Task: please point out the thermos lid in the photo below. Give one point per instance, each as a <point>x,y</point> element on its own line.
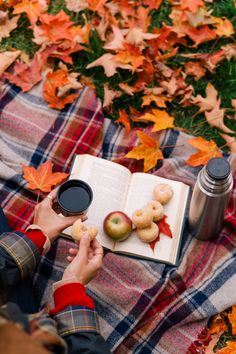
<point>218,168</point>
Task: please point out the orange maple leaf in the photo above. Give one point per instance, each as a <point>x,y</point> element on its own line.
<point>232,319</point>
<point>97,5</point>
<point>153,4</point>
<point>217,324</point>
<point>32,8</point>
<point>124,119</point>
<point>161,119</point>
<point>201,35</point>
<point>191,5</point>
<point>224,27</point>
<point>54,27</point>
<point>208,149</point>
<point>148,151</point>
<point>130,55</point>
<point>42,178</point>
<point>229,349</point>
<point>195,69</point>
<point>54,84</point>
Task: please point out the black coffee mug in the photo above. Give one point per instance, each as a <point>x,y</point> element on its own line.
<point>74,197</point>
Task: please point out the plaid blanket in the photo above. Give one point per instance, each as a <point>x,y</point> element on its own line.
<point>143,306</point>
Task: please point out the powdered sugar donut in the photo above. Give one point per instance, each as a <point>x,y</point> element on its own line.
<point>142,218</point>
<point>148,234</point>
<point>157,209</point>
<point>163,193</point>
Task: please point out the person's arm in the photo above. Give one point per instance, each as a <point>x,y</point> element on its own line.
<point>74,310</point>
<point>19,255</point>
<point>21,251</point>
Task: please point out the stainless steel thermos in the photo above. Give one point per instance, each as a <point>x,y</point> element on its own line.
<point>210,199</point>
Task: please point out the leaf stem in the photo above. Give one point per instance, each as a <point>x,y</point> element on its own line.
<point>171,146</point>
<point>38,195</point>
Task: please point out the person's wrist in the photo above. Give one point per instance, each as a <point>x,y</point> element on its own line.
<point>80,279</point>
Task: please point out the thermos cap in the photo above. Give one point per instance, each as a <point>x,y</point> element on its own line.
<point>218,168</point>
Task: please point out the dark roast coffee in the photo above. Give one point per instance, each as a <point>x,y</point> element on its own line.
<point>74,197</point>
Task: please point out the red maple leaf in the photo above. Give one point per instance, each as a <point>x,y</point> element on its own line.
<point>164,228</point>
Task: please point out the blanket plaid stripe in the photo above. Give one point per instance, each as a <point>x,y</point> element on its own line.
<point>143,306</point>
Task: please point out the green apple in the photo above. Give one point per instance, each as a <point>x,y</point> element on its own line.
<point>117,225</point>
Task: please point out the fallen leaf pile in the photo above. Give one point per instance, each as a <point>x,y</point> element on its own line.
<point>143,58</point>
<point>219,336</point>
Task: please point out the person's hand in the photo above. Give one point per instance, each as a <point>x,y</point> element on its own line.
<point>49,221</point>
<point>85,262</point>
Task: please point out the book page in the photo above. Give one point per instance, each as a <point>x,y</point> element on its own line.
<point>109,182</point>
<point>139,194</point>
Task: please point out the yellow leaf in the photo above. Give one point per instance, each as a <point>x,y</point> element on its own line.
<point>161,119</point>
<point>130,55</point>
<point>159,100</point>
<point>208,149</point>
<point>148,151</point>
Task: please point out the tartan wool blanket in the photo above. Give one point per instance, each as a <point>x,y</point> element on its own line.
<point>143,306</point>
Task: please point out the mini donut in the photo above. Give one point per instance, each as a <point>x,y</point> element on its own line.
<point>148,234</point>
<point>79,229</point>
<point>142,218</point>
<point>157,209</point>
<point>163,193</point>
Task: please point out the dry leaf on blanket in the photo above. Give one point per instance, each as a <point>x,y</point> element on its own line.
<point>124,119</point>
<point>148,151</point>
<point>109,96</point>
<point>7,58</point>
<point>208,149</point>
<point>42,178</point>
<point>56,87</point>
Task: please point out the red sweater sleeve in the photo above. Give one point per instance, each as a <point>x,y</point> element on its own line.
<point>71,294</point>
<point>37,237</point>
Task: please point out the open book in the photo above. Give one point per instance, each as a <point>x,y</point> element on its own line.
<point>116,188</point>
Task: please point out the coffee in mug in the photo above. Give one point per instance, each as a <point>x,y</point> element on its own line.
<point>74,197</point>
